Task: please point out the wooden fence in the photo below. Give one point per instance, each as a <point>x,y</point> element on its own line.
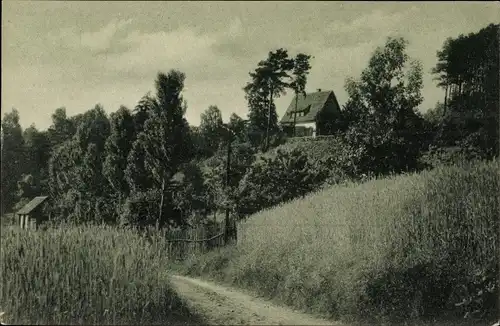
<point>185,243</point>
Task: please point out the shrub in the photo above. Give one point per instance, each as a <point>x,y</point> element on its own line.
<point>274,180</point>
<point>438,156</point>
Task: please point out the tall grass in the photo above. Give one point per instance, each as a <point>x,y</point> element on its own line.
<point>400,247</point>
<point>86,275</point>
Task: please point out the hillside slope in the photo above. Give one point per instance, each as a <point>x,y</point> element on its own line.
<point>397,247</point>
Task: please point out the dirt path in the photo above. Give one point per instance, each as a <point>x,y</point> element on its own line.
<point>225,306</point>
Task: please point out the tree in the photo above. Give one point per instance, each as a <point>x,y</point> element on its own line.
<point>384,124</point>
<point>37,150</point>
<point>118,147</point>
<point>190,197</point>
<point>211,128</point>
<point>300,71</point>
<point>268,81</point>
<point>76,177</point>
<point>62,128</point>
<point>27,188</point>
<point>13,158</point>
<point>142,111</point>
<point>467,69</point>
<point>238,126</point>
<point>164,143</point>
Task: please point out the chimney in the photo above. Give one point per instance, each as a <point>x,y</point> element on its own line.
<point>319,89</point>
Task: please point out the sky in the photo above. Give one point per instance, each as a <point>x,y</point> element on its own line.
<point>77,54</point>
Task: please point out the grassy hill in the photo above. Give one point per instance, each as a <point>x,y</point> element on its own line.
<point>397,247</point>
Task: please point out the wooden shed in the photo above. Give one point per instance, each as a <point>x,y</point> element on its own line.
<point>33,213</point>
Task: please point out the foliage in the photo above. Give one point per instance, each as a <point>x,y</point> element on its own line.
<point>27,188</point>
<point>438,156</point>
<point>62,128</point>
<point>162,146</point>
<point>37,154</point>
<point>268,81</point>
<point>86,275</point>
<point>301,69</point>
<point>467,69</point>
<point>238,126</point>
<point>381,110</point>
<point>118,147</point>
<point>211,128</point>
<point>76,170</point>
<point>271,181</point>
<point>12,158</point>
<point>218,196</point>
<point>190,195</point>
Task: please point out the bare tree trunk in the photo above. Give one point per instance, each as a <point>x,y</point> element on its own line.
<point>295,112</point>
<point>445,100</point>
<point>161,203</point>
<point>269,119</point>
<point>227,226</point>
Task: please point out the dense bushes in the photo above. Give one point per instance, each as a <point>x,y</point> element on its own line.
<point>274,180</point>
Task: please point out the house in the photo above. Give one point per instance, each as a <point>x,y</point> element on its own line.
<point>313,115</point>
<point>33,213</point>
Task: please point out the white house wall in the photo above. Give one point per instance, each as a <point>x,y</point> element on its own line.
<point>308,125</point>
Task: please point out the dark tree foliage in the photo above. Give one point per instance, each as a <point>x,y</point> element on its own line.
<point>467,69</point>
<point>13,157</point>
<point>118,146</point>
<point>161,148</point>
<point>271,181</point>
<point>268,81</point>
<point>381,111</point>
<point>211,129</point>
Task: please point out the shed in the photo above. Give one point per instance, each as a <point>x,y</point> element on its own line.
<point>32,214</point>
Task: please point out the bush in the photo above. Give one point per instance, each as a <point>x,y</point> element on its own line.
<point>85,275</point>
<point>438,156</point>
<point>273,180</point>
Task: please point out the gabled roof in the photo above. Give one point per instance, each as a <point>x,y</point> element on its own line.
<point>311,105</point>
<point>34,203</point>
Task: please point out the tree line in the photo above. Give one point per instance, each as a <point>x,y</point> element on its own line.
<point>147,166</point>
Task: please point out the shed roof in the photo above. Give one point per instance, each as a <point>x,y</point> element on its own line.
<point>311,105</point>
<point>34,203</point>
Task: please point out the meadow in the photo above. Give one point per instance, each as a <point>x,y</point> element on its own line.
<point>421,246</point>
<point>86,275</point>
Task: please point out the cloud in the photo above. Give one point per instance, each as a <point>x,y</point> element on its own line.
<point>376,20</point>
<point>101,39</point>
<point>153,51</point>
<point>95,41</point>
<point>184,49</point>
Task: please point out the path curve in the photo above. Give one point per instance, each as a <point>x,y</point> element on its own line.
<point>226,306</point>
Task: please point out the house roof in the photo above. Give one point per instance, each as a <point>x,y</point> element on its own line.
<point>34,203</point>
<point>311,104</point>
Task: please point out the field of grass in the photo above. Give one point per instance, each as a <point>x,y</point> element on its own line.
<point>398,247</point>
<point>86,275</point>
